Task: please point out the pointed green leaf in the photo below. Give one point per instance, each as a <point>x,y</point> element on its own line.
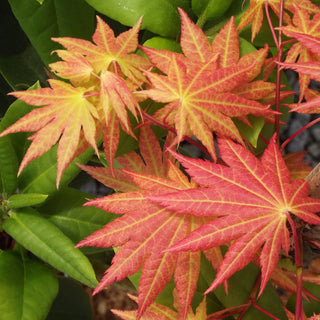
<point>46,241</point>
<point>65,210</point>
<point>25,200</point>
<point>27,288</point>
<point>40,174</point>
<point>160,16</point>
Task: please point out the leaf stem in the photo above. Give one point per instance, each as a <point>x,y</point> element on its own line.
<point>227,312</point>
<point>298,132</point>
<point>297,239</point>
<point>166,127</point>
<point>279,45</point>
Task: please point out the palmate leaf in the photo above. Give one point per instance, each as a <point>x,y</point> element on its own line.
<point>198,85</point>
<point>307,32</point>
<point>146,229</point>
<point>108,52</point>
<point>254,14</point>
<point>102,77</point>
<point>160,312</point>
<point>68,113</point>
<point>252,199</point>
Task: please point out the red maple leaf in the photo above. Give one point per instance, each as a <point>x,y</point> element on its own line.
<point>253,199</point>
<point>199,86</point>
<point>307,49</point>
<point>146,229</point>
<point>160,312</point>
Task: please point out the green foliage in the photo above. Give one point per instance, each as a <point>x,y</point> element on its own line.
<point>42,273</point>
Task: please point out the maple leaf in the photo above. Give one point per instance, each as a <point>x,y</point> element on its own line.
<point>252,199</point>
<point>67,114</point>
<point>115,54</point>
<point>297,167</point>
<point>97,101</point>
<point>146,229</point>
<point>312,70</point>
<point>160,312</point>
<point>254,13</point>
<point>198,85</point>
<point>303,29</point>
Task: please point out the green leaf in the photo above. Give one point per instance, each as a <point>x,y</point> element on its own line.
<point>8,165</point>
<point>23,69</point>
<point>25,200</point>
<point>65,210</point>
<point>27,288</point>
<point>210,9</point>
<point>46,241</point>
<point>240,286</point>
<point>71,303</point>
<point>160,16</point>
<point>16,111</point>
<point>163,43</point>
<point>40,174</point>
<point>53,18</point>
<point>251,133</point>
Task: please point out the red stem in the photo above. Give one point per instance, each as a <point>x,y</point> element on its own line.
<point>299,307</point>
<point>297,239</point>
<point>225,313</point>
<point>264,311</point>
<point>278,43</point>
<point>298,132</point>
<point>266,8</point>
<point>166,127</point>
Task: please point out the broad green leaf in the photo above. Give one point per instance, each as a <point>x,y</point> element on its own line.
<point>65,210</point>
<point>25,200</point>
<point>163,43</point>
<point>160,17</point>
<point>46,241</point>
<point>8,165</point>
<point>53,18</point>
<point>72,302</point>
<point>27,288</point>
<point>240,286</point>
<point>40,174</point>
<point>210,9</point>
<point>23,69</point>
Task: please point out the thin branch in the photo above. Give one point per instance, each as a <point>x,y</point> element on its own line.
<point>166,127</point>
<point>298,132</point>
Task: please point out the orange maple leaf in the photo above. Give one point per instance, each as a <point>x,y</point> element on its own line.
<point>115,54</point>
<point>157,311</point>
<point>254,14</point>
<point>146,229</point>
<point>253,198</point>
<point>102,77</point>
<point>67,114</point>
<point>198,86</point>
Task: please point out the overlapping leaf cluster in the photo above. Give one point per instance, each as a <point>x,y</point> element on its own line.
<point>238,200</point>
<point>102,76</point>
